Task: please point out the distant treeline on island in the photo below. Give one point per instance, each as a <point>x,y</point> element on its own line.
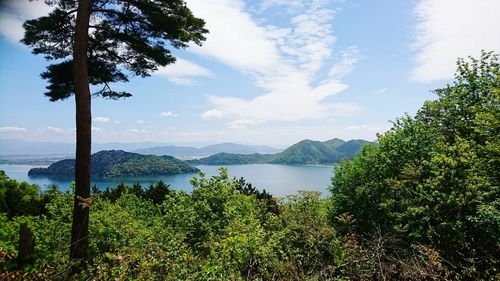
<point>119,163</point>
<point>306,152</point>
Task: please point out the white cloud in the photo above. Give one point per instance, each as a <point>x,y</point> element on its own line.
<point>12,129</point>
<point>349,58</point>
<point>96,129</point>
<point>138,131</point>
<point>54,130</point>
<point>169,114</point>
<point>290,5</point>
<point>183,72</point>
<point>213,114</point>
<point>101,119</point>
<point>234,38</point>
<point>284,61</point>
<point>448,29</point>
<point>139,121</point>
<point>117,121</point>
<point>15,12</point>
<point>243,123</point>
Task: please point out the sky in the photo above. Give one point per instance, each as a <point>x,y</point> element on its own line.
<point>271,72</point>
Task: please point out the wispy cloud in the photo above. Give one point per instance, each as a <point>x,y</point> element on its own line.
<point>448,29</point>
<point>140,121</point>
<point>168,114</point>
<point>13,13</point>
<point>213,114</point>
<point>138,131</point>
<point>372,128</point>
<point>10,129</point>
<point>284,61</point>
<point>243,123</point>
<point>349,58</point>
<point>53,129</point>
<point>101,119</point>
<point>183,72</point>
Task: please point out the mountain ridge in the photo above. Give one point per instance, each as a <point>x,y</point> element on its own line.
<point>302,153</point>
<point>12,148</point>
<point>195,152</point>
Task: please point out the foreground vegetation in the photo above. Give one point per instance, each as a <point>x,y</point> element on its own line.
<point>423,204</point>
<point>224,230</point>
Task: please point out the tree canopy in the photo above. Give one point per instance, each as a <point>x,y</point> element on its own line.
<point>434,179</point>
<point>126,37</point>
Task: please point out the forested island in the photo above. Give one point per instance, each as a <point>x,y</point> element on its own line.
<point>119,163</point>
<point>306,152</point>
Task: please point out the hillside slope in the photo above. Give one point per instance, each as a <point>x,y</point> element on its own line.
<point>307,152</point>
<point>302,153</point>
<point>233,159</point>
<point>118,163</point>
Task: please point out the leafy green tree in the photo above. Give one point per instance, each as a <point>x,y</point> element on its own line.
<point>94,42</point>
<point>434,179</point>
<point>157,193</point>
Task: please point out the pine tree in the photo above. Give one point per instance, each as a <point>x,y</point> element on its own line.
<point>98,42</point>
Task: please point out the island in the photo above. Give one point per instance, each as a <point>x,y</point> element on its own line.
<point>119,163</point>
<point>306,152</point>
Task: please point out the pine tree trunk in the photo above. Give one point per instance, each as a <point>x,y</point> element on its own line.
<point>80,227</point>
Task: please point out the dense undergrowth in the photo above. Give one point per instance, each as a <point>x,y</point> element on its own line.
<point>422,204</point>
<point>223,230</point>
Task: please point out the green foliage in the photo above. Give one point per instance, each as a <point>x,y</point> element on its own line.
<point>304,152</point>
<point>266,199</point>
<point>423,204</point>
<point>125,35</point>
<point>433,180</point>
<point>225,229</point>
<point>18,199</point>
<point>315,152</point>
<point>118,163</point>
<point>224,158</point>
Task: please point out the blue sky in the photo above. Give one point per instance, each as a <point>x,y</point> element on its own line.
<point>271,72</point>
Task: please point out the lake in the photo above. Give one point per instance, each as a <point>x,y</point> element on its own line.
<point>279,180</point>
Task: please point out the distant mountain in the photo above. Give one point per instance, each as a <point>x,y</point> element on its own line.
<point>352,147</point>
<point>334,143</point>
<point>187,152</point>
<point>118,163</point>
<point>12,147</point>
<point>34,149</point>
<point>308,152</point>
<point>301,153</point>
<point>233,159</point>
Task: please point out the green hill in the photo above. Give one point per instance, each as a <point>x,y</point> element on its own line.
<point>233,159</point>
<point>352,147</point>
<point>301,153</point>
<point>118,163</point>
<point>334,143</point>
<point>307,152</point>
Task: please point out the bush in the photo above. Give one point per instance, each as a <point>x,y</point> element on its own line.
<point>433,180</point>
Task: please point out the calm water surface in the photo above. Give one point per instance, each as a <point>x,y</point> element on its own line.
<point>279,180</point>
